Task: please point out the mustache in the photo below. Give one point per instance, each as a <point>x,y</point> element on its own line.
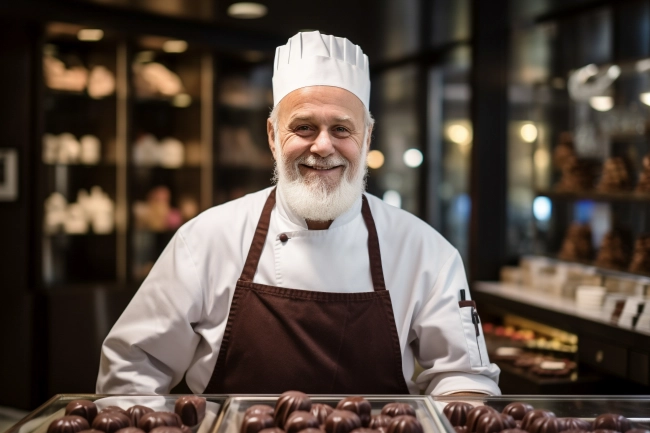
<point>320,162</point>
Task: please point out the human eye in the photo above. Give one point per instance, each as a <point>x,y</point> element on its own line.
<point>302,130</point>
<point>341,131</point>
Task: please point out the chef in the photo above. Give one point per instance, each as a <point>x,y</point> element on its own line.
<point>311,284</point>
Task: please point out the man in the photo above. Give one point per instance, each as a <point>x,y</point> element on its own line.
<point>311,285</point>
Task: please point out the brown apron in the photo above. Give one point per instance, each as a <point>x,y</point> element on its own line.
<point>280,339</point>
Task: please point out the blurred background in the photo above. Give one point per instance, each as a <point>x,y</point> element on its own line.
<point>516,128</point>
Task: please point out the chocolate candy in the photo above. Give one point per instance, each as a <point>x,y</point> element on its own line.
<point>575,424</point>
<point>380,421</point>
<point>494,422</point>
<point>513,430</point>
<point>604,431</point>
<point>150,421</point>
<point>476,413</point>
<point>342,421</point>
<point>136,412</point>
<point>92,430</point>
<point>300,420</point>
<point>255,423</point>
<point>517,410</point>
<point>68,424</point>
<point>191,409</point>
<point>166,429</point>
<point>111,421</point>
<point>531,416</point>
<point>125,430</point>
<point>358,405</point>
<point>259,409</point>
<point>288,402</point>
<point>397,409</point>
<point>575,431</point>
<point>546,425</point>
<point>461,429</point>
<point>321,411</point>
<point>405,424</point>
<point>113,409</point>
<point>456,412</point>
<point>363,430</point>
<point>612,421</point>
<point>83,408</point>
<point>278,430</point>
<point>309,430</point>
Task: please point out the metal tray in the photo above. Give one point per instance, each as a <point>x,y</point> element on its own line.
<point>232,414</point>
<point>39,420</point>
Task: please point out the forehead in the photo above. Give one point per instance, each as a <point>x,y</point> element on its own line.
<point>321,102</point>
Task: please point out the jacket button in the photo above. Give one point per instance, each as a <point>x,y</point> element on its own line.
<point>284,237</point>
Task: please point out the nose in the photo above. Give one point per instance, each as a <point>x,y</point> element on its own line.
<point>323,145</point>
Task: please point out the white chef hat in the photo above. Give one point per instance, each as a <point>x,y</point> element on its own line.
<point>314,59</point>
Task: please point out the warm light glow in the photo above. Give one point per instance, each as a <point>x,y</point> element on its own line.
<point>542,159</point>
<point>642,65</point>
<point>182,100</point>
<point>90,35</point>
<point>645,98</point>
<point>246,10</point>
<point>528,132</point>
<point>458,133</point>
<point>601,103</point>
<point>542,208</point>
<point>393,198</point>
<point>614,72</point>
<point>413,158</point>
<point>144,57</point>
<point>173,46</point>
<point>375,159</point>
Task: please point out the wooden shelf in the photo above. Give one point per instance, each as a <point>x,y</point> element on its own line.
<point>629,197</point>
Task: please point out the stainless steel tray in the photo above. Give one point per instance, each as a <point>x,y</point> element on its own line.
<point>39,420</point>
<point>232,414</point>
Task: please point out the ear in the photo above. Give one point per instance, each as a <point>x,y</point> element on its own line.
<point>368,138</point>
<point>270,132</point>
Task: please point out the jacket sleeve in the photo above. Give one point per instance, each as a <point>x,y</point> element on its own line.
<point>449,342</point>
<point>152,344</point>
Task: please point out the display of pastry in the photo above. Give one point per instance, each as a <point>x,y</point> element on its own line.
<point>564,150</point>
<point>615,176</point>
<point>577,245</point>
<point>641,256</point>
<point>615,250</point>
<point>577,175</point>
<point>643,185</point>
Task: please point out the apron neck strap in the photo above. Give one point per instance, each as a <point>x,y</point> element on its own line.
<point>262,230</point>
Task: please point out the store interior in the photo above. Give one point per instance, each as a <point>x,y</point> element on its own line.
<point>517,129</point>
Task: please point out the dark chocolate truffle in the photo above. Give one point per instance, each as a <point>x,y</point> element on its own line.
<point>125,430</point>
<point>364,430</point>
<point>191,409</point>
<point>476,413</point>
<point>380,421</point>
<point>494,422</point>
<point>456,412</point>
<point>531,416</point>
<point>517,410</point>
<point>259,409</point>
<point>604,431</point>
<point>150,421</point>
<point>288,402</point>
<point>321,411</point>
<point>136,412</point>
<point>113,409</point>
<point>300,420</point>
<point>277,430</point>
<point>342,421</point>
<point>111,421</point>
<point>461,429</point>
<point>255,423</point>
<point>405,424</point>
<point>166,429</point>
<point>83,408</point>
<point>575,424</point>
<point>307,430</point>
<point>513,430</point>
<point>68,424</point>
<point>612,421</point>
<point>576,431</point>
<point>397,409</point>
<point>546,425</point>
<point>358,405</point>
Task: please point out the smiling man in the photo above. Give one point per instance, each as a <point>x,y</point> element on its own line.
<point>312,284</point>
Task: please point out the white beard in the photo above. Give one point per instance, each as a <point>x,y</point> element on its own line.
<point>316,199</point>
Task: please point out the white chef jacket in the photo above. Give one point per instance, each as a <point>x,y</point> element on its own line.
<point>175,323</point>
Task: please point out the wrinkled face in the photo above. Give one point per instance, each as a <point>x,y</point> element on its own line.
<point>320,148</point>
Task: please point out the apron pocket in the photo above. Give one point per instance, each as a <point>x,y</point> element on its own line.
<point>473,334</point>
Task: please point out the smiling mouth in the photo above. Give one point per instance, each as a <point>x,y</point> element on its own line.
<point>320,168</point>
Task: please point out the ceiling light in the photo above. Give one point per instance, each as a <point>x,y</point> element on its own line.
<point>642,65</point>
<point>173,46</point>
<point>182,100</point>
<point>90,34</point>
<point>413,158</point>
<point>375,159</point>
<point>458,133</point>
<point>601,103</point>
<point>645,98</point>
<point>528,132</point>
<point>247,10</point>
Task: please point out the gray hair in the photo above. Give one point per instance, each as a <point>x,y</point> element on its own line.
<point>274,117</point>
